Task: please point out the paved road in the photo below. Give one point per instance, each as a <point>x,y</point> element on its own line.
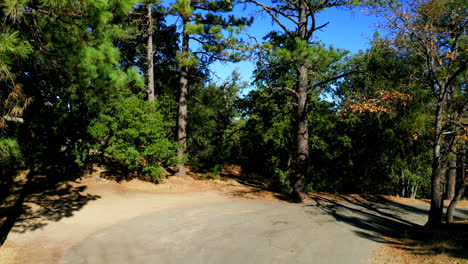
<point>250,232</point>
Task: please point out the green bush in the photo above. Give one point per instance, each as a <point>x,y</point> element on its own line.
<point>153,172</point>
<point>283,181</point>
<point>134,134</point>
<point>10,156</point>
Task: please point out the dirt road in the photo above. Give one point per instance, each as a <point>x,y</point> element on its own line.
<point>122,225</point>
<point>248,232</point>
<point>236,232</point>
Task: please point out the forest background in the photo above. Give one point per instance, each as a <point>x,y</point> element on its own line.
<point>128,84</point>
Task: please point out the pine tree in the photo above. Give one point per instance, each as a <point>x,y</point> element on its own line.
<point>313,67</point>
<point>206,36</point>
<point>74,72</point>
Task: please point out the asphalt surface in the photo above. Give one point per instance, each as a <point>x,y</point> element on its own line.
<point>251,232</point>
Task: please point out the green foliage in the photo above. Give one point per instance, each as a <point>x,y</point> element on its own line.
<point>283,180</point>
<point>183,7</point>
<point>268,144</point>
<point>153,172</point>
<point>9,151</point>
<point>134,134</point>
<point>74,72</point>
<point>13,46</point>
<point>271,112</point>
<point>213,123</point>
<point>214,173</point>
<point>216,32</point>
<point>10,156</point>
<point>411,171</point>
<point>281,55</point>
<point>266,137</point>
<point>196,29</point>
<point>315,56</point>
<point>399,142</point>
<point>12,98</point>
<point>187,59</point>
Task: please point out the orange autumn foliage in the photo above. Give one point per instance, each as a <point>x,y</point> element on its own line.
<point>385,103</point>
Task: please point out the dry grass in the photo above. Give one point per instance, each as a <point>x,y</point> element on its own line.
<point>440,246</point>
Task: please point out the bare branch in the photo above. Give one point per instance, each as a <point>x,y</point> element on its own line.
<point>270,11</point>
<point>322,26</point>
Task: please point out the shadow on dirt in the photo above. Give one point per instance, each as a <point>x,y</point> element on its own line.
<point>35,199</point>
<point>258,184</point>
<point>112,171</point>
<point>398,225</point>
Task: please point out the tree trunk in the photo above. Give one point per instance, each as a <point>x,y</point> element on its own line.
<point>302,136</point>
<point>302,140</point>
<point>182,113</point>
<point>414,191</point>
<point>403,183</point>
<point>438,172</point>
<point>459,191</point>
<point>454,201</point>
<point>435,213</point>
<point>452,175</point>
<point>149,54</point>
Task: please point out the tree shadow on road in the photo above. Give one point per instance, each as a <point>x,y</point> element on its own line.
<point>34,200</point>
<point>397,225</point>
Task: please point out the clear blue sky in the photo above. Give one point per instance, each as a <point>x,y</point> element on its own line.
<point>350,30</point>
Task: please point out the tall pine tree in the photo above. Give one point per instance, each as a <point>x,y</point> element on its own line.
<point>314,67</point>
<point>206,36</point>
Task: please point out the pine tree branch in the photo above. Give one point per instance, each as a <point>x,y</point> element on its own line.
<point>199,40</point>
<point>332,79</point>
<point>278,10</point>
<point>286,89</point>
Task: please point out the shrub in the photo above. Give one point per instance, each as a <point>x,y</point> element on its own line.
<point>10,156</point>
<point>134,134</point>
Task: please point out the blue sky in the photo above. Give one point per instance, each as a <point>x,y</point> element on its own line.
<point>348,29</point>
